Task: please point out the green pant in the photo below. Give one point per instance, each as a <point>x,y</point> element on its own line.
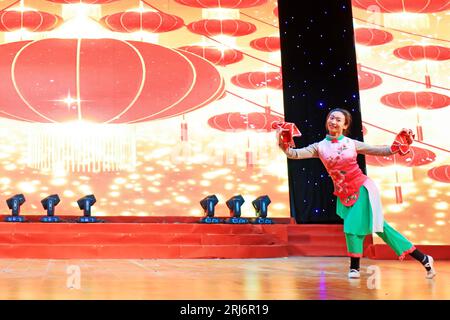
<point>392,237</point>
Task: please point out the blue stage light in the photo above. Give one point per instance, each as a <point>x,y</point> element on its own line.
<point>208,204</point>
<point>49,204</point>
<point>261,205</point>
<point>14,204</point>
<point>85,204</point>
<point>234,204</point>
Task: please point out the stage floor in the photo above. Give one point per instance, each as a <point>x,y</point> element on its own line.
<point>291,278</point>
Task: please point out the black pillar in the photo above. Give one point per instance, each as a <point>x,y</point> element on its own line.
<point>319,74</point>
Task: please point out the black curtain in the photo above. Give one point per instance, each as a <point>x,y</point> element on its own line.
<point>319,74</point>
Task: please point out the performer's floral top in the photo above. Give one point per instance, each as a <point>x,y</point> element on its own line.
<point>339,157</point>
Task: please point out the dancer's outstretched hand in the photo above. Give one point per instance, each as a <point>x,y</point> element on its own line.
<point>402,141</point>
<point>286,131</point>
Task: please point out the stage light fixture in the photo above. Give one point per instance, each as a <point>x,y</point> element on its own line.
<point>49,204</point>
<point>208,204</point>
<point>85,204</point>
<point>234,204</point>
<point>14,204</point>
<point>261,205</point>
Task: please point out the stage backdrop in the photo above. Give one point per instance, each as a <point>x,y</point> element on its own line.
<point>148,105</point>
<point>403,57</point>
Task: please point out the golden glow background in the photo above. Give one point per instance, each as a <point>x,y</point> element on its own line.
<point>423,217</point>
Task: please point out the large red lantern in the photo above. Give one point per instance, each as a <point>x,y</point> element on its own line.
<point>218,56</point>
<point>267,44</point>
<point>132,21</point>
<point>228,27</point>
<point>112,81</point>
<point>258,80</point>
<point>372,37</point>
<point>31,20</point>
<point>230,4</point>
<point>90,90</point>
<point>412,6</point>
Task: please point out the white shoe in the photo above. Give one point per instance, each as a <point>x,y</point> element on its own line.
<point>432,273</point>
<point>354,274</point>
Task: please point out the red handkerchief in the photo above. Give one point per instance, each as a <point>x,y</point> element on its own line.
<point>287,131</point>
<point>402,142</point>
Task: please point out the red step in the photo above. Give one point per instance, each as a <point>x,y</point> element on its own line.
<point>116,251</point>
<point>315,229</point>
<point>138,238</point>
<point>317,238</point>
<point>125,240</point>
<point>317,250</point>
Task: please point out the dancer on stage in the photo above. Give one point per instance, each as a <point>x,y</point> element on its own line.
<point>358,199</point>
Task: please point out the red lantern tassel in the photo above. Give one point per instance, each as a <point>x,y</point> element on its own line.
<point>184,131</point>
<point>427,81</point>
<point>398,194</point>
<point>249,159</point>
<point>419,133</point>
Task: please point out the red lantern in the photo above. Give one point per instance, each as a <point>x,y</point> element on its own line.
<point>34,21</point>
<point>367,80</point>
<point>258,80</point>
<point>413,6</point>
<point>112,81</point>
<point>424,100</point>
<point>150,21</point>
<point>230,4</point>
<point>236,121</point>
<point>441,173</point>
<point>414,53</point>
<point>229,27</point>
<point>267,44</point>
<point>372,37</point>
<point>218,56</point>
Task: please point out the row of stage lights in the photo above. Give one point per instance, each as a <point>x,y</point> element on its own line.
<point>208,204</point>
<point>49,204</point>
<point>234,204</point>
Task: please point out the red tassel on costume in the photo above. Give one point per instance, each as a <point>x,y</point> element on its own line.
<point>419,133</point>
<point>398,194</point>
<point>427,81</point>
<point>184,131</point>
